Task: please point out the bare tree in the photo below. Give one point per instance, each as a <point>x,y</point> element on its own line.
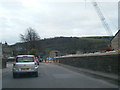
<point>30,35</point>
<point>31,40</point>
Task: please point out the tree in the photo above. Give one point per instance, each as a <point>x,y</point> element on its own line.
<point>32,41</point>
<point>30,35</point>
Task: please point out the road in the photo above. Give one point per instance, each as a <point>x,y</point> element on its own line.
<point>54,76</point>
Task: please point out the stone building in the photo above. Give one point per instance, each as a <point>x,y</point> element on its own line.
<point>0,50</point>
<point>0,55</point>
<point>18,48</point>
<point>54,53</point>
<point>115,42</point>
<point>6,51</point>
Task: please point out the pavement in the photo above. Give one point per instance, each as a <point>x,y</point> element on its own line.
<point>4,72</point>
<point>0,79</point>
<point>8,69</point>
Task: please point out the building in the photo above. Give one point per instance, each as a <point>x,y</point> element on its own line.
<point>0,55</point>
<point>18,48</point>
<point>115,42</point>
<point>0,51</point>
<point>54,53</point>
<point>6,50</point>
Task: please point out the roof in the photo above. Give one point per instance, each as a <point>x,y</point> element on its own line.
<point>25,55</point>
<point>116,35</point>
<point>117,32</point>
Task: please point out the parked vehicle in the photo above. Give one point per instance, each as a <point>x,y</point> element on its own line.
<point>25,64</point>
<point>37,60</point>
<point>40,60</point>
<point>11,57</point>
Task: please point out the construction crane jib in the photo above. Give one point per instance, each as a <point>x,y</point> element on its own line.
<point>102,18</point>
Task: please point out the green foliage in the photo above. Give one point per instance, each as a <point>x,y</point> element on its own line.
<point>33,51</point>
<point>97,40</point>
<point>69,45</point>
<point>66,45</point>
<point>47,50</point>
<point>31,40</point>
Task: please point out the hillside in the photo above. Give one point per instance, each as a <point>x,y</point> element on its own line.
<point>70,45</point>
<point>66,45</point>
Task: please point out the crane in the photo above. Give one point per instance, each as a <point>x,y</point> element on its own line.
<point>103,20</point>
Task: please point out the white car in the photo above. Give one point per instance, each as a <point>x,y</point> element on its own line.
<point>11,57</point>
<point>25,64</point>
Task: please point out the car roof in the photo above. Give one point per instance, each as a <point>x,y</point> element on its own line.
<point>25,56</point>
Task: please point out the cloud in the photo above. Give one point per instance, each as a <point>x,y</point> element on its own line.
<point>53,18</point>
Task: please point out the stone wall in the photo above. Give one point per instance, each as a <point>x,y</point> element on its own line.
<point>4,63</point>
<point>0,55</point>
<point>105,63</point>
<point>115,43</point>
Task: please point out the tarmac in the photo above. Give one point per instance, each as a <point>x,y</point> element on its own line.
<point>112,78</point>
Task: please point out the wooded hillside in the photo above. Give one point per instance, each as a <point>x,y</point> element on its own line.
<point>66,45</point>
<point>70,45</point>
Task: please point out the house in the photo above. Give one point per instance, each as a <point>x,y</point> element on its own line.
<point>54,53</point>
<point>6,50</point>
<point>0,55</point>
<point>18,48</point>
<point>0,51</point>
<point>115,42</point>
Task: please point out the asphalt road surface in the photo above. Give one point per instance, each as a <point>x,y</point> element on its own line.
<point>54,76</point>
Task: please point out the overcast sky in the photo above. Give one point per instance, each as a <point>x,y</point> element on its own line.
<point>54,18</point>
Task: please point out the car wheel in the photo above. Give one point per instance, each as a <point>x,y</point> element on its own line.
<point>36,74</point>
<point>14,75</point>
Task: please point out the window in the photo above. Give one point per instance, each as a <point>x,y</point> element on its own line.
<point>25,59</point>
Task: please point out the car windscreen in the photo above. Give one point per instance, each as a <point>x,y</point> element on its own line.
<point>25,59</point>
